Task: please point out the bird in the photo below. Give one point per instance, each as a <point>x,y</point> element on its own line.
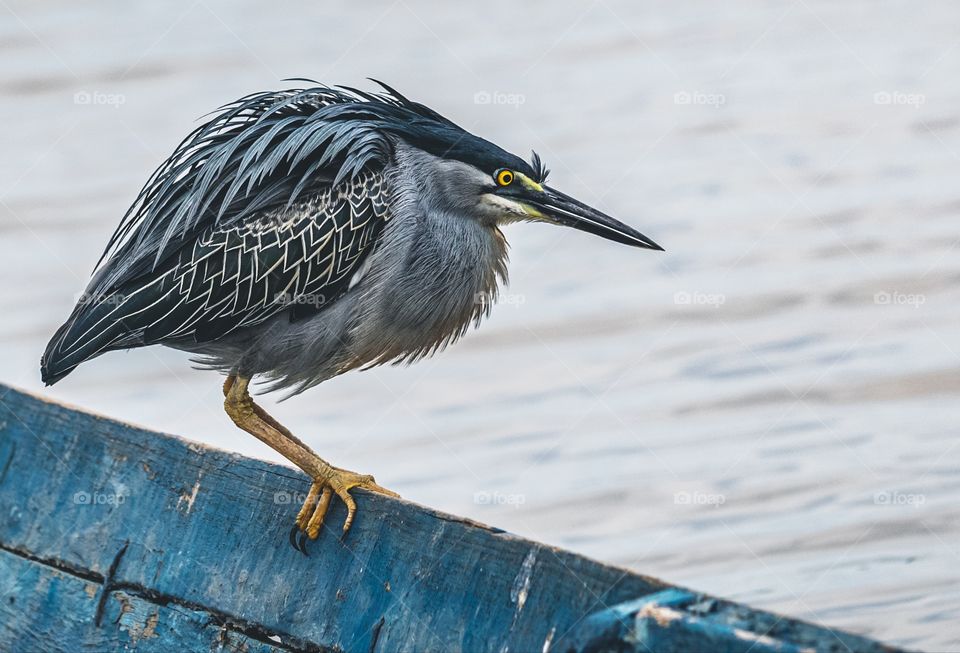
<point>302,233</point>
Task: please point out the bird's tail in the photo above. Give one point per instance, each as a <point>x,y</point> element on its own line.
<point>53,366</point>
<point>92,329</point>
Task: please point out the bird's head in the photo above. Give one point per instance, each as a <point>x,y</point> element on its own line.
<point>519,195</point>
<point>481,179</point>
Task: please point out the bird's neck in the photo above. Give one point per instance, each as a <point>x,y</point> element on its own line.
<point>433,274</point>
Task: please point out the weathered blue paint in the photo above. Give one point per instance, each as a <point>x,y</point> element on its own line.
<point>50,611</point>
<point>679,621</point>
<point>117,538</point>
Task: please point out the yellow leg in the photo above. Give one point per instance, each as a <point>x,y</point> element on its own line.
<point>303,517</point>
<point>316,520</point>
<point>327,479</point>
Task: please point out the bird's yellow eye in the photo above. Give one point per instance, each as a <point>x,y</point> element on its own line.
<point>504,177</point>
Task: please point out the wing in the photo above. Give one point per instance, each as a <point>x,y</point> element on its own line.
<point>296,259</point>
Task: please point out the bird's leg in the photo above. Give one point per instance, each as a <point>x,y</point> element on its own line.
<point>327,479</point>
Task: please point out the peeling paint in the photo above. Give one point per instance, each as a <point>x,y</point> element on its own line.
<point>188,499</point>
<point>150,628</point>
<point>765,640</point>
<point>131,624</point>
<point>148,470</point>
<point>521,584</point>
<point>663,616</point>
<point>521,588</point>
<point>125,606</point>
<point>549,640</point>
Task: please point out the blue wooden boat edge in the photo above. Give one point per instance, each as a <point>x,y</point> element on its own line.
<point>113,537</point>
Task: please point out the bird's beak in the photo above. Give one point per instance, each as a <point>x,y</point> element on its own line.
<point>563,209</point>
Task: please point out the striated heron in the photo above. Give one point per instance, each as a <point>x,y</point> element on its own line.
<point>303,233</point>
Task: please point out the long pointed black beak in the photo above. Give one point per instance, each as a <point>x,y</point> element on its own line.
<point>569,212</point>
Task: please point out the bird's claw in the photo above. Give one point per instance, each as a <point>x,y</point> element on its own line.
<point>309,520</point>
<point>298,540</point>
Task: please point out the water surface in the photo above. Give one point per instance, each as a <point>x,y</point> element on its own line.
<point>768,411</point>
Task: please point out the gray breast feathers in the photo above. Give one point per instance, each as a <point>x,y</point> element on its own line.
<point>416,296</point>
<point>434,273</point>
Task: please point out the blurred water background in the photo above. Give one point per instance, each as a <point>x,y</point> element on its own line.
<point>768,411</point>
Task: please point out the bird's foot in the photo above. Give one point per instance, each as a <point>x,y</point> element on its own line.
<point>340,482</point>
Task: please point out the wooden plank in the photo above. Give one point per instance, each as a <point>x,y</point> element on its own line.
<point>127,621</point>
<point>203,526</point>
<point>679,621</point>
<point>195,541</point>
